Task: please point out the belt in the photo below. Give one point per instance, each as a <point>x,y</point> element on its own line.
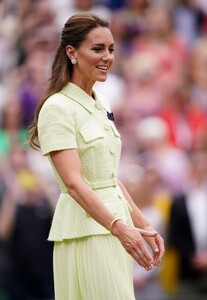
<point>102,184</point>
<point>97,184</point>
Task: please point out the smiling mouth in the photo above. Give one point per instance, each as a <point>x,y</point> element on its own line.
<point>102,68</point>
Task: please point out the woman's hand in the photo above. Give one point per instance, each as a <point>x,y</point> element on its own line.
<point>133,242</point>
<point>156,243</point>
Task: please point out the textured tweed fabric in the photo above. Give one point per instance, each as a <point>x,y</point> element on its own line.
<point>72,119</point>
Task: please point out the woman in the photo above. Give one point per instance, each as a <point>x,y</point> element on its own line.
<point>75,129</point>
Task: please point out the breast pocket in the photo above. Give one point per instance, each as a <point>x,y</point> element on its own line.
<point>92,133</point>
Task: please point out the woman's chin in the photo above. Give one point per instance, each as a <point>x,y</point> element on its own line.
<point>102,79</point>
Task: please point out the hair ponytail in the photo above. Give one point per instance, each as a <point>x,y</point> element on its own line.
<point>61,70</point>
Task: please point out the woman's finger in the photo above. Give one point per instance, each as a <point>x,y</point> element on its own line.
<point>145,258</point>
<point>138,250</point>
<point>158,248</point>
<point>160,244</point>
<point>140,261</point>
<point>156,243</point>
<point>144,254</point>
<point>147,232</point>
<point>153,245</point>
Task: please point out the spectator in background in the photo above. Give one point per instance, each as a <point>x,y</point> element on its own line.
<point>154,69</point>
<point>164,46</point>
<point>186,121</point>
<point>32,87</point>
<point>25,218</point>
<point>8,37</point>
<point>117,25</point>
<point>126,121</point>
<point>42,38</point>
<point>156,150</point>
<point>77,6</point>
<point>187,19</point>
<point>188,227</point>
<point>11,131</point>
<point>5,263</point>
<point>126,23</point>
<point>38,29</point>
<point>114,4</point>
<point>93,6</point>
<point>202,5</point>
<point>198,73</point>
<point>142,94</point>
<point>38,14</point>
<point>133,18</point>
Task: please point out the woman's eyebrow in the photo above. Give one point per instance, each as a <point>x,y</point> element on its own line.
<point>102,44</point>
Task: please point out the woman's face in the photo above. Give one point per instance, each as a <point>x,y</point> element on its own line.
<point>95,56</point>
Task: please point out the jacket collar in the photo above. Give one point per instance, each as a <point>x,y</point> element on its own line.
<point>75,93</point>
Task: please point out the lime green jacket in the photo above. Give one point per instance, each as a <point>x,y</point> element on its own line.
<point>72,119</point>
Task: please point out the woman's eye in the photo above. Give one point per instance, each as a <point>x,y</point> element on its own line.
<point>97,49</point>
<point>101,49</point>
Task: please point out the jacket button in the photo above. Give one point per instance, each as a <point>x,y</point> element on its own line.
<point>107,127</point>
<point>98,105</point>
<point>113,173</point>
<point>112,150</point>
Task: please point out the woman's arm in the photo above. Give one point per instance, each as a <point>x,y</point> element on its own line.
<point>156,243</point>
<point>138,218</point>
<point>67,164</point>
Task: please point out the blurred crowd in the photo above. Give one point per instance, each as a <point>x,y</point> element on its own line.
<point>158,93</point>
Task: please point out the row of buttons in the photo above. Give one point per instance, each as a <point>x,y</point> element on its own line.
<point>112,148</point>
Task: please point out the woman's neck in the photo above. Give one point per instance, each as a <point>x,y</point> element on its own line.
<point>86,86</point>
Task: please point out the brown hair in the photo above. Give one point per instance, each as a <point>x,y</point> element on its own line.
<point>74,33</point>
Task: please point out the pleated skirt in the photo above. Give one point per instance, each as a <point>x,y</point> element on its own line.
<point>92,268</point>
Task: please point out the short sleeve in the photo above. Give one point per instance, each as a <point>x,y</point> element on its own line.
<point>56,127</point>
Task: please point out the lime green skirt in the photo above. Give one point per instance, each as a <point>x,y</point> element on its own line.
<point>92,268</point>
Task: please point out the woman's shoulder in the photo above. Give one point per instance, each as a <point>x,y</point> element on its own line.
<point>57,103</point>
<point>55,100</point>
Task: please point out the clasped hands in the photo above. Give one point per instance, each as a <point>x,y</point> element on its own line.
<point>133,240</point>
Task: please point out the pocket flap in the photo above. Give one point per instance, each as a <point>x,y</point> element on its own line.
<point>92,133</point>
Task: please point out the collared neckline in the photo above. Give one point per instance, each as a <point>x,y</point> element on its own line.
<point>74,92</point>
<point>77,94</point>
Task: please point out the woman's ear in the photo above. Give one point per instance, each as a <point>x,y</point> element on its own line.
<point>70,51</point>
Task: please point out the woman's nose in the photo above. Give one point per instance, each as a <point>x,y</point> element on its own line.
<point>108,56</point>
